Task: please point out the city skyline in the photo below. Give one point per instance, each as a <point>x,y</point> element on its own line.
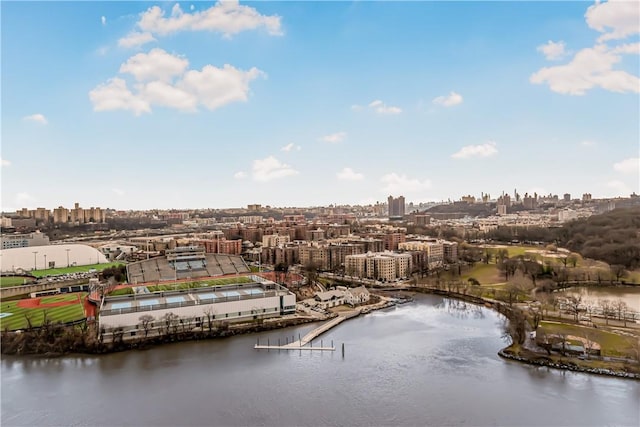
<point>178,105</point>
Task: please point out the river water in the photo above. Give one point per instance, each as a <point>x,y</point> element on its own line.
<point>431,362</point>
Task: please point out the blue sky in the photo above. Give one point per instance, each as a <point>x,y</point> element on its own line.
<point>136,105</point>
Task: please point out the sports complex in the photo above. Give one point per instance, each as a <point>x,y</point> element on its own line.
<point>186,286</point>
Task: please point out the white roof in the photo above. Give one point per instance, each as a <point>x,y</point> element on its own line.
<point>60,255</point>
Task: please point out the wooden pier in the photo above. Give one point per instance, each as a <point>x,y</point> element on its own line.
<point>301,343</point>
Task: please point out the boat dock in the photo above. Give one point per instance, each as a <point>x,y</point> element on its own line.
<point>301,343</point>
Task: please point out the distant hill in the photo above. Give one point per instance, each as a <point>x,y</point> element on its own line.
<point>613,237</point>
<point>463,208</point>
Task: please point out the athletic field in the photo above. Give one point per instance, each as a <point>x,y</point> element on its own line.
<point>59,308</point>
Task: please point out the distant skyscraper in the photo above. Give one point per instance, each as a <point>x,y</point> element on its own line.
<point>396,207</point>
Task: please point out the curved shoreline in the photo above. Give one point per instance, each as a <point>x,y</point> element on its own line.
<point>504,353</point>
<point>536,359</point>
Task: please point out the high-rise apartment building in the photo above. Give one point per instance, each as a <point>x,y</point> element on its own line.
<point>396,207</point>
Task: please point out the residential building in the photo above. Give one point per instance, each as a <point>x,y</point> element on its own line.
<point>396,207</point>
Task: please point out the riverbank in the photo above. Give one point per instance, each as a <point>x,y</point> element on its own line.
<point>615,369</point>
<point>518,353</point>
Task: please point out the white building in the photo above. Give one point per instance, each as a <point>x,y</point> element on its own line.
<point>194,308</point>
<point>273,240</point>
<point>386,266</point>
<point>433,248</point>
<point>11,241</point>
<point>52,256</point>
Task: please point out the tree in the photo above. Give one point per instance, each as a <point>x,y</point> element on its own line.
<point>169,321</point>
<point>146,321</point>
<point>473,281</point>
<point>618,271</point>
<point>515,327</point>
<point>573,260</point>
<point>621,308</point>
<point>573,306</point>
<point>605,305</point>
<point>311,270</point>
<point>535,315</point>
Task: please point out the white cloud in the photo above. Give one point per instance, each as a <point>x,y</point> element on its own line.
<point>588,143</point>
<point>593,67</point>
<point>118,191</point>
<point>621,17</point>
<point>487,149</point>
<point>629,166</point>
<point>356,107</point>
<point>164,80</point>
<point>348,174</point>
<point>135,39</point>
<point>165,95</point>
<point>449,100</point>
<point>155,65</point>
<point>552,50</point>
<point>114,95</point>
<point>381,108</point>
<point>291,147</point>
<point>395,183</point>
<point>239,175</point>
<point>5,162</point>
<point>103,19</point>
<point>37,118</point>
<point>226,17</point>
<point>271,168</point>
<point>590,67</point>
<point>216,87</point>
<point>628,48</point>
<point>334,137</point>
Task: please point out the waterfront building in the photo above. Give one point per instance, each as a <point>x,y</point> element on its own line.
<point>197,308</point>
<point>384,266</point>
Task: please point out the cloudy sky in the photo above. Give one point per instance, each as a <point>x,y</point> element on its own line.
<point>136,105</point>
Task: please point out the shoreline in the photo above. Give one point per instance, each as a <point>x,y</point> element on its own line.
<point>94,347</point>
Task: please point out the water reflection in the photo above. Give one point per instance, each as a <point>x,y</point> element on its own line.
<point>461,309</point>
<point>431,362</point>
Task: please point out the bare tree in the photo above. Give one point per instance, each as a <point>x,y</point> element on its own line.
<point>621,308</point>
<point>209,314</point>
<point>169,320</point>
<point>618,271</point>
<point>589,343</point>
<point>605,305</point>
<point>573,305</point>
<point>535,315</point>
<point>146,321</point>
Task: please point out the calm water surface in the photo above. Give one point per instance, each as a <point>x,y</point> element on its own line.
<point>591,295</point>
<point>427,363</point>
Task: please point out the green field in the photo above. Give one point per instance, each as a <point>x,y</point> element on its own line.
<point>610,343</point>
<point>210,282</point>
<point>486,274</point>
<point>76,269</point>
<point>17,320</point>
<point>8,281</point>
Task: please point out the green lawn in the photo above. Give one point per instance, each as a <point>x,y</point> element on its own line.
<point>486,274</point>
<point>76,269</point>
<point>196,284</point>
<point>17,320</point>
<point>610,343</point>
<point>8,281</point>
